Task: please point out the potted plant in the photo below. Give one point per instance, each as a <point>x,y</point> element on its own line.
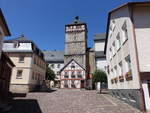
<point>116,79</point>
<point>128,75</point>
<point>112,81</point>
<point>121,78</point>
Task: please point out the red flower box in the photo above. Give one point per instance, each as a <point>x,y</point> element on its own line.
<point>121,78</point>
<point>128,75</point>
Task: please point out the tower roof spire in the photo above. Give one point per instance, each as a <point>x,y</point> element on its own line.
<point>77,18</point>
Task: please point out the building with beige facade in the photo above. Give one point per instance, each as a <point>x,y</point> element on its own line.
<point>6,66</point>
<point>127,50</point>
<point>30,69</point>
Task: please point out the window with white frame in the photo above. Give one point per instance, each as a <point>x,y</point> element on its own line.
<point>124,32</point>
<point>115,71</point>
<point>112,74</point>
<point>118,41</point>
<point>66,75</point>
<point>110,53</point>
<point>19,74</point>
<point>120,68</point>
<point>21,59</point>
<point>113,48</point>
<point>128,63</point>
<point>113,25</point>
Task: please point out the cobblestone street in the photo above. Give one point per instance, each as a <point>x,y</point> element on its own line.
<point>70,101</point>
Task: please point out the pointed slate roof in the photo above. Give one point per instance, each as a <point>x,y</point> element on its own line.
<point>54,56</point>
<point>100,36</point>
<point>76,21</point>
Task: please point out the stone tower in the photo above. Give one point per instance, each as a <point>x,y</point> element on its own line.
<point>76,42</point>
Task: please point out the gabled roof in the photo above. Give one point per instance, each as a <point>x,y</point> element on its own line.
<point>69,63</point>
<point>100,36</point>
<point>4,24</point>
<point>54,56</point>
<point>129,4</point>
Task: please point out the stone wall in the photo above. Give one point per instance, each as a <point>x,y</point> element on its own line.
<point>22,88</point>
<point>130,96</point>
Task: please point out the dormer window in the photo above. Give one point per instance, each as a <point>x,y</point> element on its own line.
<point>16,44</point>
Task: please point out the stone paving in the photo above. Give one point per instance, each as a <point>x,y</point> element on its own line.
<point>70,101</point>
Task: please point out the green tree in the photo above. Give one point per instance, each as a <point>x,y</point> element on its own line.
<point>99,76</point>
<point>50,75</point>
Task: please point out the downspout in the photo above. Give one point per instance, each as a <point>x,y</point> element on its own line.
<point>142,106</point>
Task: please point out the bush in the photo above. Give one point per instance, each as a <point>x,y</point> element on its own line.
<point>99,76</point>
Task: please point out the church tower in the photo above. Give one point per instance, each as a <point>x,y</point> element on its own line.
<point>76,42</point>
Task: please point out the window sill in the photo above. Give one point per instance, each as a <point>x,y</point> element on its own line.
<point>18,77</point>
<point>21,61</point>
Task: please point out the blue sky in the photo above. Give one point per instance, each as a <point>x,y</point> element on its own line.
<point>43,21</point>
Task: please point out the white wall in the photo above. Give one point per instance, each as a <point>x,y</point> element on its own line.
<point>128,48</point>
<point>99,45</point>
<point>142,30</point>
<point>22,47</point>
<point>146,94</point>
<point>101,63</point>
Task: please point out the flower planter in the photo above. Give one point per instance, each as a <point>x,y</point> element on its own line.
<point>116,79</point>
<point>121,78</point>
<point>112,81</point>
<point>128,76</point>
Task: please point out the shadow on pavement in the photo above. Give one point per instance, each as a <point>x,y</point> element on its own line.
<point>25,106</point>
<point>47,91</point>
<point>18,94</point>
